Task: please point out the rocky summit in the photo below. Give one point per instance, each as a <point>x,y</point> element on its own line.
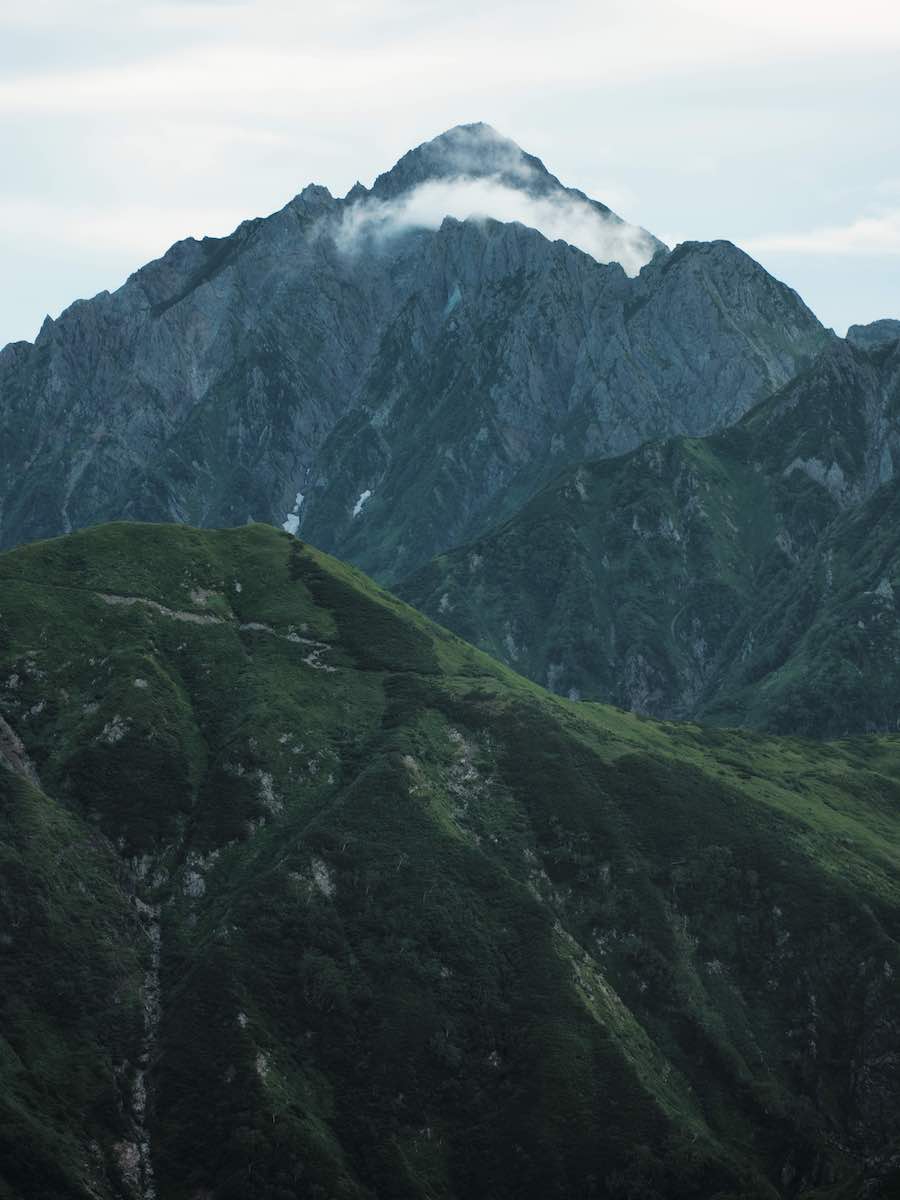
<point>391,372</point>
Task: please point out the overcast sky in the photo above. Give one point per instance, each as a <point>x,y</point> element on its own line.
<point>125,126</point>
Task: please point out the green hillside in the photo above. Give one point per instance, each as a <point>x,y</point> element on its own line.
<point>301,895</point>
<point>747,578</point>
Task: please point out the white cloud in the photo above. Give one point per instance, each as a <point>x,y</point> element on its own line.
<point>866,235</point>
<point>812,25</point>
<point>556,217</point>
<point>138,230</point>
<point>256,56</point>
<point>138,123</point>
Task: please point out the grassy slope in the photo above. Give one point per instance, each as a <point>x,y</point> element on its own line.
<point>625,578</point>
<point>426,930</point>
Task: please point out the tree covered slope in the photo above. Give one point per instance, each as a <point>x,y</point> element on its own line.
<point>301,895</point>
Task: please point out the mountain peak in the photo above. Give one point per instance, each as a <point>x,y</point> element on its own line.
<point>475,151</point>
<point>875,335</point>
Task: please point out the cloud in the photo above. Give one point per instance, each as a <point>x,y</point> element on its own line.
<point>139,231</point>
<point>257,56</point>
<point>560,216</point>
<point>866,235</point>
<point>116,112</point>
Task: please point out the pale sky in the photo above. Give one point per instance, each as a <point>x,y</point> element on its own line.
<point>125,126</point>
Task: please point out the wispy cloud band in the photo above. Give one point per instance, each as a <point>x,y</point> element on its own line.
<point>877,235</point>
<point>557,216</point>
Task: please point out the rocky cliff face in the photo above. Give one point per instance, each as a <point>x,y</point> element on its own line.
<point>875,334</point>
<point>746,578</point>
<point>384,379</point>
<point>301,895</point>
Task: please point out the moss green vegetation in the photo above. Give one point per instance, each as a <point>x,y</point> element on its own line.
<point>304,896</point>
<point>747,578</point>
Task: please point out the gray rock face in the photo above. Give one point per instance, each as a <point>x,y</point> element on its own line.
<point>344,347</point>
<point>874,335</point>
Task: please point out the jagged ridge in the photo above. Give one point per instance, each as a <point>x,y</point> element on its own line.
<point>280,373</point>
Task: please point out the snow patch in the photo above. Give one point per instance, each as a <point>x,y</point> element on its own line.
<point>292,520</point>
<point>453,300</point>
<point>364,497</point>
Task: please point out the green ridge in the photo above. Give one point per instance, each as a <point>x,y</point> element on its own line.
<point>425,929</point>
<point>747,578</point>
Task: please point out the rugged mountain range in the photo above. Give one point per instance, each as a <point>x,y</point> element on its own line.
<point>387,380</point>
<point>745,578</point>
<point>301,895</point>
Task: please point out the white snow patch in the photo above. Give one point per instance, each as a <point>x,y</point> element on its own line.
<point>140,683</point>
<point>453,300</point>
<point>363,498</point>
<point>292,520</point>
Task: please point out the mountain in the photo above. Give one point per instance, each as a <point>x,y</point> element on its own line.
<point>877,333</point>
<point>746,578</point>
<point>301,895</point>
<point>388,378</point>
